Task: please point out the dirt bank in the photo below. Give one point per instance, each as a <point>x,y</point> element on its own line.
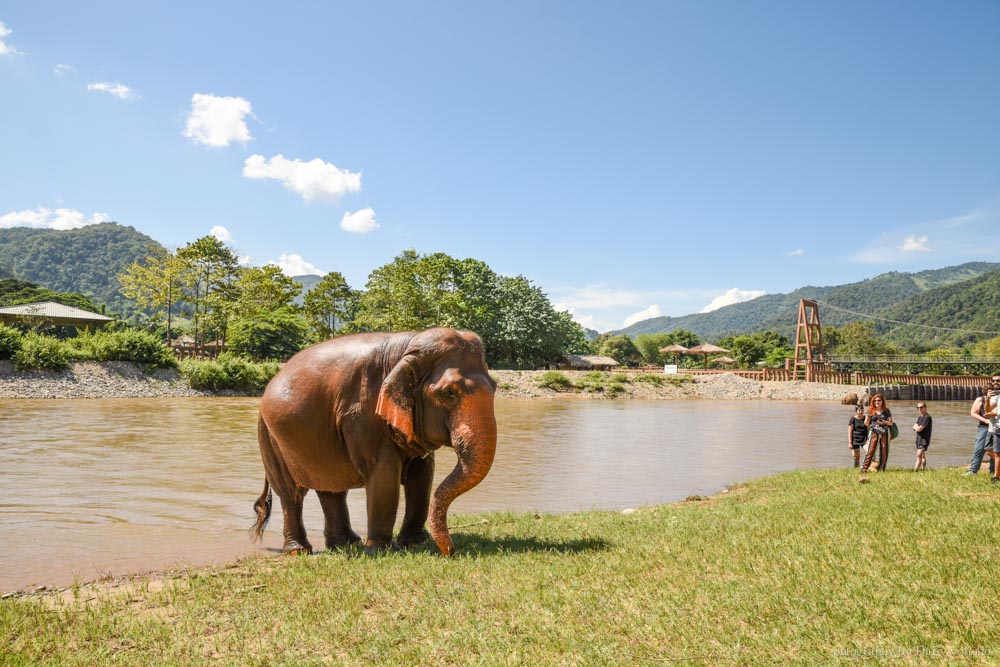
<point>726,386</point>
<point>119,379</point>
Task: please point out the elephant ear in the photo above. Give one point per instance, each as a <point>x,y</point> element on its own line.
<point>395,399</point>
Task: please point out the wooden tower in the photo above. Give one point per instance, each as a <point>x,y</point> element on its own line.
<point>808,341</point>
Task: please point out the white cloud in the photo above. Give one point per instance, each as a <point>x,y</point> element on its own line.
<point>44,218</point>
<point>796,253</point>
<point>5,48</point>
<point>218,121</point>
<point>315,180</point>
<point>648,313</point>
<point>735,295</point>
<point>119,90</point>
<point>245,260</point>
<point>360,222</point>
<point>221,233</point>
<point>293,265</point>
<point>62,69</point>
<point>915,244</point>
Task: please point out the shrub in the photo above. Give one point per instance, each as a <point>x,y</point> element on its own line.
<point>228,373</point>
<point>10,341</point>
<point>41,352</point>
<point>555,380</point>
<point>124,345</point>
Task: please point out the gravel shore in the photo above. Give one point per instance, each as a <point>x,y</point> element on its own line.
<point>119,379</point>
<point>724,386</point>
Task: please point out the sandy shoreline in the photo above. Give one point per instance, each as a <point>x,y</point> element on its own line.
<point>118,379</point>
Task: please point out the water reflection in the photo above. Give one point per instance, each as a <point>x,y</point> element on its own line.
<point>91,487</point>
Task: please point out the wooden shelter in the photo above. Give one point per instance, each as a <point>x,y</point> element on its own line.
<point>676,349</point>
<point>707,349</point>
<point>52,313</point>
<point>577,362</point>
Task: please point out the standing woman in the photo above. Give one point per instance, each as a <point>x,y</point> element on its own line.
<point>878,420</point>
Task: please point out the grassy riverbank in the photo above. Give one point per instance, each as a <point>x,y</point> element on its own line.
<point>804,567</point>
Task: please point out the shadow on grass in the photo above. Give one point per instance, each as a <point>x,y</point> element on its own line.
<point>473,545</point>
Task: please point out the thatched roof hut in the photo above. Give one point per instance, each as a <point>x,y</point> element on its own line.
<point>578,362</point>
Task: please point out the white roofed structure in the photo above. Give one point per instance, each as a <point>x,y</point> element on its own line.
<point>50,312</point>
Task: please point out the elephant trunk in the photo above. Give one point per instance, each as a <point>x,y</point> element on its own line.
<point>474,438</point>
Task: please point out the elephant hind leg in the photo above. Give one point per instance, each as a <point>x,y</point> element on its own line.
<point>290,494</point>
<point>337,530</point>
<point>295,531</point>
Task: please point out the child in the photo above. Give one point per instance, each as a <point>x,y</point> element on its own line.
<point>857,433</point>
<point>923,430</point>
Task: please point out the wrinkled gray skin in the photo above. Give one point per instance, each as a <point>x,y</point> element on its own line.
<point>368,410</point>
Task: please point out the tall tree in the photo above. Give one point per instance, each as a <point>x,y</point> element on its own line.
<point>262,290</point>
<point>392,299</point>
<point>210,272</point>
<point>330,306</point>
<point>155,285</point>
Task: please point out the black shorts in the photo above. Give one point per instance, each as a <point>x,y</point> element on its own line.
<point>923,446</point>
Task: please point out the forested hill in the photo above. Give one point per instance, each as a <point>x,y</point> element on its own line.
<point>874,296</point>
<point>973,306</point>
<point>84,260</point>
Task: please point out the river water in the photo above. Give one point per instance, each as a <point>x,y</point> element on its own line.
<point>90,488</point>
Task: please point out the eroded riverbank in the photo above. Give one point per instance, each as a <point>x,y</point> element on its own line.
<point>118,379</point>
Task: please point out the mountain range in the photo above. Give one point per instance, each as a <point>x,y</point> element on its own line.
<point>965,297</point>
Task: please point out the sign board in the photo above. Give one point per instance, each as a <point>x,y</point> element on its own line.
<point>670,369</point>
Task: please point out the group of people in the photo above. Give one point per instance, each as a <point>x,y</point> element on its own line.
<point>870,431</point>
<point>984,410</point>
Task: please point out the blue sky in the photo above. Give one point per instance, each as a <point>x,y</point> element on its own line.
<point>633,159</point>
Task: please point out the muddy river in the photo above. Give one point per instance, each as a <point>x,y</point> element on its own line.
<point>90,488</point>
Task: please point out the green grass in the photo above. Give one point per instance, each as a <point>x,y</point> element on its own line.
<point>611,384</point>
<point>801,568</point>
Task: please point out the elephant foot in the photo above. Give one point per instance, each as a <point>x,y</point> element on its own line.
<point>294,548</point>
<point>407,540</point>
<point>373,548</point>
<point>342,540</point>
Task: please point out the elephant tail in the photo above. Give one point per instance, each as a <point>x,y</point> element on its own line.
<point>262,508</point>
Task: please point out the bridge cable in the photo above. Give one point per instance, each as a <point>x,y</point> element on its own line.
<point>908,324</point>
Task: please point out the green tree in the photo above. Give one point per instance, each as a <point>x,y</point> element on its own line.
<point>276,334</point>
<point>649,346</point>
<point>210,271</point>
<point>392,300</point>
<point>750,349</point>
<point>856,339</point>
<point>330,306</point>
<point>621,349</point>
<point>155,285</point>
<point>263,290</point>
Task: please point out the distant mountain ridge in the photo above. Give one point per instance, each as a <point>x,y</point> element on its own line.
<point>886,294</point>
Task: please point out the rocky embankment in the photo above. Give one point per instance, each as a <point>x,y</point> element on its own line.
<point>91,379</point>
<point>118,379</point>
<point>724,386</point>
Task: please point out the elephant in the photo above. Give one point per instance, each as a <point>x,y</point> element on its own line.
<point>369,410</point>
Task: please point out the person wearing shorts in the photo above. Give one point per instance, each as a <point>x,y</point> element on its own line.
<point>923,431</point>
<point>857,433</point>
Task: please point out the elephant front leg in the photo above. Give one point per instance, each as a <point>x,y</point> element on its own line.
<point>295,531</point>
<point>418,478</point>
<point>382,488</point>
<point>337,531</point>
